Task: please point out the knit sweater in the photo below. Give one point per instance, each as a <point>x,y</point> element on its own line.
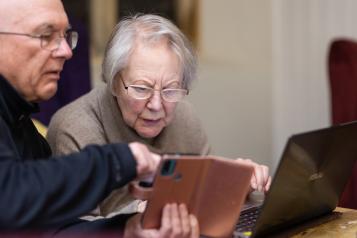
<point>95,118</point>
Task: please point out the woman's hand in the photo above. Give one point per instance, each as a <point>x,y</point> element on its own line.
<point>260,180</point>
<point>175,223</point>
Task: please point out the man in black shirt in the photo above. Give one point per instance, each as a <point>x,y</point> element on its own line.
<point>44,193</point>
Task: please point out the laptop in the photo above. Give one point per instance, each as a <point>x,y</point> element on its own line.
<point>311,176</point>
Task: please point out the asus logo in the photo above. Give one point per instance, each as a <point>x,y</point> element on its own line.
<point>316,176</point>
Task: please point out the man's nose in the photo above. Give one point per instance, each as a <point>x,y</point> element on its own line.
<point>64,50</point>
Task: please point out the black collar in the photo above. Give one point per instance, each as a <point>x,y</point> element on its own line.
<point>13,107</point>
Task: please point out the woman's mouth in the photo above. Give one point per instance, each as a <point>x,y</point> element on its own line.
<point>150,122</point>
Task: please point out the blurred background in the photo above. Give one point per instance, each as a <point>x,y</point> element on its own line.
<point>263,64</point>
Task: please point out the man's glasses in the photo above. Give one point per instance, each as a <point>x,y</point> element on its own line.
<point>51,41</point>
<point>142,92</point>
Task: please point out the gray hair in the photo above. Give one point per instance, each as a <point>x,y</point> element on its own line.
<point>148,28</point>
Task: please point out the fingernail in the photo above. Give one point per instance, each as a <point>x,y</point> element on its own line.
<point>193,220</point>
<point>254,186</point>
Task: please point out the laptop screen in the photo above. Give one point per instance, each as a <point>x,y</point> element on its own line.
<point>310,178</point>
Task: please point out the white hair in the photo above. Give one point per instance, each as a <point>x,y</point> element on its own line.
<point>149,28</point>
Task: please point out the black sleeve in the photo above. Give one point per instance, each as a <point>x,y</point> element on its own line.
<point>46,193</point>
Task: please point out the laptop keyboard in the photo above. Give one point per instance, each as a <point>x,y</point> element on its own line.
<point>247,219</point>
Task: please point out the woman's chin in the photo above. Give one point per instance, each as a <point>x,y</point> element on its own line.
<point>148,134</point>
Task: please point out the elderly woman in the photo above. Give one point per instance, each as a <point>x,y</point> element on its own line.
<point>148,68</point>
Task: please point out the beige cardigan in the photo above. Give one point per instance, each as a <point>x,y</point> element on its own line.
<point>95,118</point>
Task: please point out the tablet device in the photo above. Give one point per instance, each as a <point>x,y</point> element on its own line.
<point>213,189</point>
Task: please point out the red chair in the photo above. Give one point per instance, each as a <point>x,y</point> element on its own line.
<point>343,86</point>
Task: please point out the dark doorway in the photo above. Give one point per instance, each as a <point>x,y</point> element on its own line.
<point>165,8</point>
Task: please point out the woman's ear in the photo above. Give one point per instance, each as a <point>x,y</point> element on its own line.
<point>116,84</point>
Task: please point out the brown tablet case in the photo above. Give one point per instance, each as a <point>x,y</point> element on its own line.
<point>214,190</point>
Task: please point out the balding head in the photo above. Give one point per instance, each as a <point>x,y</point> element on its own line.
<point>21,13</point>
<point>24,25</point>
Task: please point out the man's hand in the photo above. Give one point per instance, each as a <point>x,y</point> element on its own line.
<point>146,162</point>
<point>175,223</point>
<point>260,180</point>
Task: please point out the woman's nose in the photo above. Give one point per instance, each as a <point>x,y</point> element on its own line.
<point>155,102</point>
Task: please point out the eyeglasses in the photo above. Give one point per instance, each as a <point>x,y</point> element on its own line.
<point>51,41</point>
<point>142,92</point>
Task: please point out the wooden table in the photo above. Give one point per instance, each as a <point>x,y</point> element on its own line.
<point>342,223</point>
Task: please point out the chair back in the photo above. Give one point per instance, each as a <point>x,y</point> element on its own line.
<point>342,70</point>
